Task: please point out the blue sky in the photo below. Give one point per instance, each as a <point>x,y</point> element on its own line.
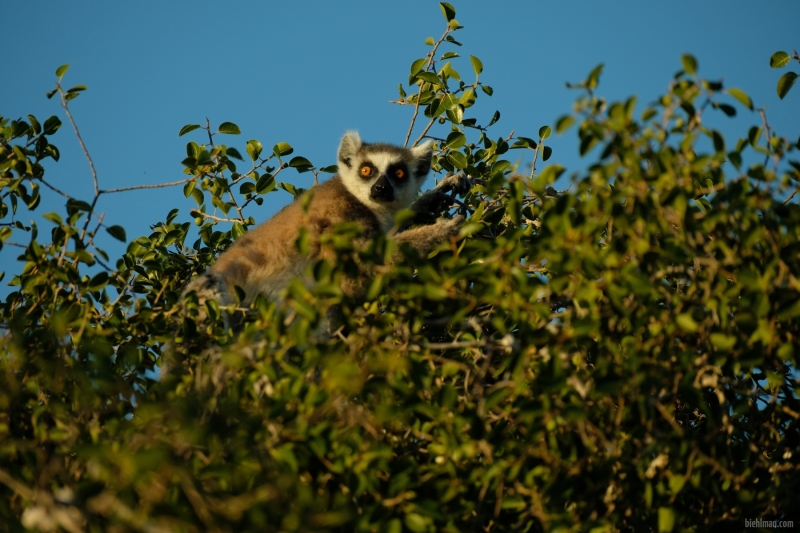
<point>304,72</point>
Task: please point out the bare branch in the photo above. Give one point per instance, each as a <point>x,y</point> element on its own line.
<point>424,132</point>
<point>59,191</point>
<point>153,186</point>
<point>431,59</point>
<point>212,217</point>
<point>78,134</point>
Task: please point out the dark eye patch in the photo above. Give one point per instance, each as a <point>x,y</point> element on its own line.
<point>393,172</point>
<point>373,170</point>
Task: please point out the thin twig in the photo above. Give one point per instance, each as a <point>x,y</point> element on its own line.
<point>210,135</point>
<point>431,59</point>
<point>424,132</point>
<point>535,157</point>
<point>153,186</point>
<point>769,132</point>
<point>454,344</point>
<point>78,134</point>
<point>62,193</point>
<point>206,215</point>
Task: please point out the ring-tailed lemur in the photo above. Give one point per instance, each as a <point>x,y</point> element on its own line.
<point>374,182</point>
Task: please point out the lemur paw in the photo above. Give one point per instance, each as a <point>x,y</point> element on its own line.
<point>459,184</point>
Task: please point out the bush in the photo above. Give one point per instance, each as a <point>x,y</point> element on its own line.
<point>616,356</point>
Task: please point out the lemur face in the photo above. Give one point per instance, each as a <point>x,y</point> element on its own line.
<point>383,177</point>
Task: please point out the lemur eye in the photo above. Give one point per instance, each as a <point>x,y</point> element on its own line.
<point>366,171</point>
<point>399,173</point>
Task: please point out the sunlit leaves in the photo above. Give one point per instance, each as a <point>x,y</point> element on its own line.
<point>229,128</point>
<point>253,149</point>
<point>448,11</point>
<point>742,97</point>
<point>689,64</point>
<point>477,66</point>
<point>301,164</point>
<point>281,149</point>
<point>187,128</point>
<point>785,83</point>
<point>544,132</point>
<point>594,77</point>
<point>60,71</point>
<point>416,68</point>
<point>778,60</point>
<point>118,232</point>
<point>563,123</point>
<point>632,328</point>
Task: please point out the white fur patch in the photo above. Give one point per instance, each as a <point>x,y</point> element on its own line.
<point>404,194</point>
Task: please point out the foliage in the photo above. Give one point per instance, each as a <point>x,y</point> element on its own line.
<point>617,356</point>
<point>779,60</point>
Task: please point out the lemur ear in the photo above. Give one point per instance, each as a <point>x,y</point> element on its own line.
<point>422,156</point>
<point>349,147</point>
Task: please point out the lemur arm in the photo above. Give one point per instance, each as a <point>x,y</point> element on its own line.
<point>436,200</point>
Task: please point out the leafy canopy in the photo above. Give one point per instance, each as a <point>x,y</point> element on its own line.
<point>615,356</point>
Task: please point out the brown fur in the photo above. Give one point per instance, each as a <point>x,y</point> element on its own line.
<point>266,259</point>
<point>271,248</point>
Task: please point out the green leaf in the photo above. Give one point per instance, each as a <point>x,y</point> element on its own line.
<point>233,152</point>
<point>495,118</point>
<point>430,77</point>
<point>448,11</point>
<point>546,153</point>
<point>689,64</point>
<point>728,109</point>
<point>666,519</point>
<point>448,55</point>
<point>186,129</point>
<point>229,128</point>
<point>265,184</point>
<point>457,159</point>
<point>524,142</point>
<point>237,230</point>
<point>331,169</point>
<point>456,140</point>
<point>301,164</point>
<point>51,125</point>
<point>779,59</point>
<point>253,149</point>
<point>282,149</point>
<point>785,83</point>
<point>544,132</point>
<point>719,141</point>
<point>477,66</point>
<point>686,322</point>
<point>450,101</point>
<point>429,41</point>
<point>563,123</point>
<point>721,341</point>
<point>742,97</point>
<point>118,232</point>
<point>456,115</point>
<point>53,217</point>
<point>736,159</point>
<point>594,77</point>
<point>416,68</point>
<point>77,88</point>
<point>60,71</point>
<point>488,90</point>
